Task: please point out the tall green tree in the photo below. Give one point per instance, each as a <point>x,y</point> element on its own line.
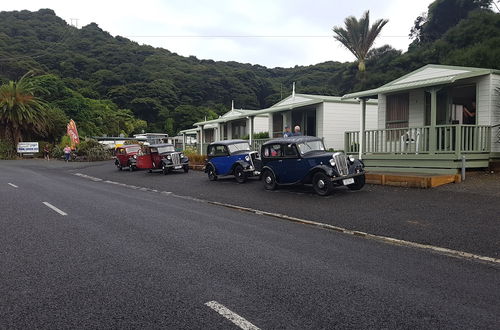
<point>358,36</point>
<point>21,111</point>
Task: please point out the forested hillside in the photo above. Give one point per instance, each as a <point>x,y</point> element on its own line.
<point>112,85</point>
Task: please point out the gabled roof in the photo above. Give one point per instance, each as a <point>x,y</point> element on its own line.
<point>426,76</point>
<point>291,102</point>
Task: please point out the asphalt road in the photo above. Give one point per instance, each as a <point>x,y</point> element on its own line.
<point>464,217</point>
<point>126,258</point>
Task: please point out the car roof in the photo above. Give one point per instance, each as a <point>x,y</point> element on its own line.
<point>293,139</point>
<point>161,145</point>
<point>129,145</point>
<point>228,142</point>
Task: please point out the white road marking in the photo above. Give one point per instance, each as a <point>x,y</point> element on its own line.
<point>55,208</point>
<point>231,316</point>
<point>13,185</point>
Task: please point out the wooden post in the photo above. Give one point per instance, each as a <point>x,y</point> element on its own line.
<point>362,128</point>
<point>183,141</point>
<point>201,140</point>
<point>432,130</point>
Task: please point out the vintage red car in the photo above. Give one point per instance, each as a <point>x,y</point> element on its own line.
<point>162,157</point>
<point>126,156</point>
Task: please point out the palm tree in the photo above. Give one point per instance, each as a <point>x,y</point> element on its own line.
<point>358,36</point>
<point>20,110</point>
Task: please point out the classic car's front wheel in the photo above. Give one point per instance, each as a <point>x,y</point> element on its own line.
<point>118,165</point>
<point>359,182</point>
<point>164,169</point>
<point>240,174</point>
<point>212,176</point>
<point>269,180</point>
<point>131,167</point>
<point>322,184</point>
<point>186,168</point>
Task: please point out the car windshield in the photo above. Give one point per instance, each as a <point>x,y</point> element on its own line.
<point>244,146</point>
<point>133,149</point>
<point>309,146</point>
<point>164,149</point>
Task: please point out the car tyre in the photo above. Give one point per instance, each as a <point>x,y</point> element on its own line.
<point>239,174</point>
<point>164,169</point>
<point>212,176</point>
<point>322,184</point>
<point>359,182</point>
<point>119,166</point>
<point>131,167</point>
<point>269,180</point>
<point>186,168</point>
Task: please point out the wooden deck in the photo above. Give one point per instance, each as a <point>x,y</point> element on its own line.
<point>412,180</point>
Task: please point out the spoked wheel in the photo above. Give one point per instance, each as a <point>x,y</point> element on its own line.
<point>322,184</point>
<point>240,174</point>
<point>269,180</point>
<point>212,176</point>
<point>359,182</point>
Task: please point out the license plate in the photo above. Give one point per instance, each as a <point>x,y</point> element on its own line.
<point>178,167</point>
<point>348,181</point>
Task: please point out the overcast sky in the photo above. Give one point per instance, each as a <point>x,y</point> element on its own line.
<point>273,33</point>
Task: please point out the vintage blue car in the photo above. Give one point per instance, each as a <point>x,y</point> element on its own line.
<point>303,160</point>
<point>232,157</point>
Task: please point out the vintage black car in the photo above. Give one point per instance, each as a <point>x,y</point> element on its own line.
<point>162,157</point>
<point>232,157</point>
<point>303,160</point>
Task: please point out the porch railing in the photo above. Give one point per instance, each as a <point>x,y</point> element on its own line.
<point>419,140</point>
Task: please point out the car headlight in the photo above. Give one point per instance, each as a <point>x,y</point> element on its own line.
<point>332,162</point>
<point>169,157</point>
<point>182,155</point>
<point>247,158</point>
<point>135,156</point>
<point>351,158</point>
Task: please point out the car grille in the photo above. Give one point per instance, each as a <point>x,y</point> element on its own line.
<point>176,158</point>
<point>341,163</point>
<point>253,156</point>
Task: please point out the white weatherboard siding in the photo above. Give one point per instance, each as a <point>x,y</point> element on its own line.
<point>416,108</point>
<point>342,117</point>
<point>495,112</point>
<point>261,124</point>
<point>483,101</point>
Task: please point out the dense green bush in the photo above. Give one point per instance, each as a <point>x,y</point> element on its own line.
<point>91,150</point>
<point>7,150</point>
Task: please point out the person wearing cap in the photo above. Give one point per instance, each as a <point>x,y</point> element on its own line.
<point>287,132</point>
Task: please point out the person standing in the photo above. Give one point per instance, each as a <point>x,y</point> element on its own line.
<point>287,132</point>
<point>296,131</point>
<point>67,153</point>
<point>470,114</point>
<point>46,152</point>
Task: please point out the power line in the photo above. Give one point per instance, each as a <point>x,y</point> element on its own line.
<point>245,36</point>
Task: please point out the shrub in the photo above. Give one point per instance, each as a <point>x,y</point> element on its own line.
<point>57,152</point>
<point>91,150</point>
<point>133,142</point>
<point>7,150</point>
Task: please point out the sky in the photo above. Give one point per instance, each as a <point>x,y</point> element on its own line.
<point>272,33</point>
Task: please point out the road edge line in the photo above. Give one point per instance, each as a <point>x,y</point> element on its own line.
<point>380,238</point>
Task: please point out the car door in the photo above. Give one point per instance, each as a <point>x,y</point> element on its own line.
<point>293,166</point>
<point>144,159</point>
<point>221,160</point>
<point>274,160</point>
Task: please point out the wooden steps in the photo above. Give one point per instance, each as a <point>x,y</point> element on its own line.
<point>413,180</point>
